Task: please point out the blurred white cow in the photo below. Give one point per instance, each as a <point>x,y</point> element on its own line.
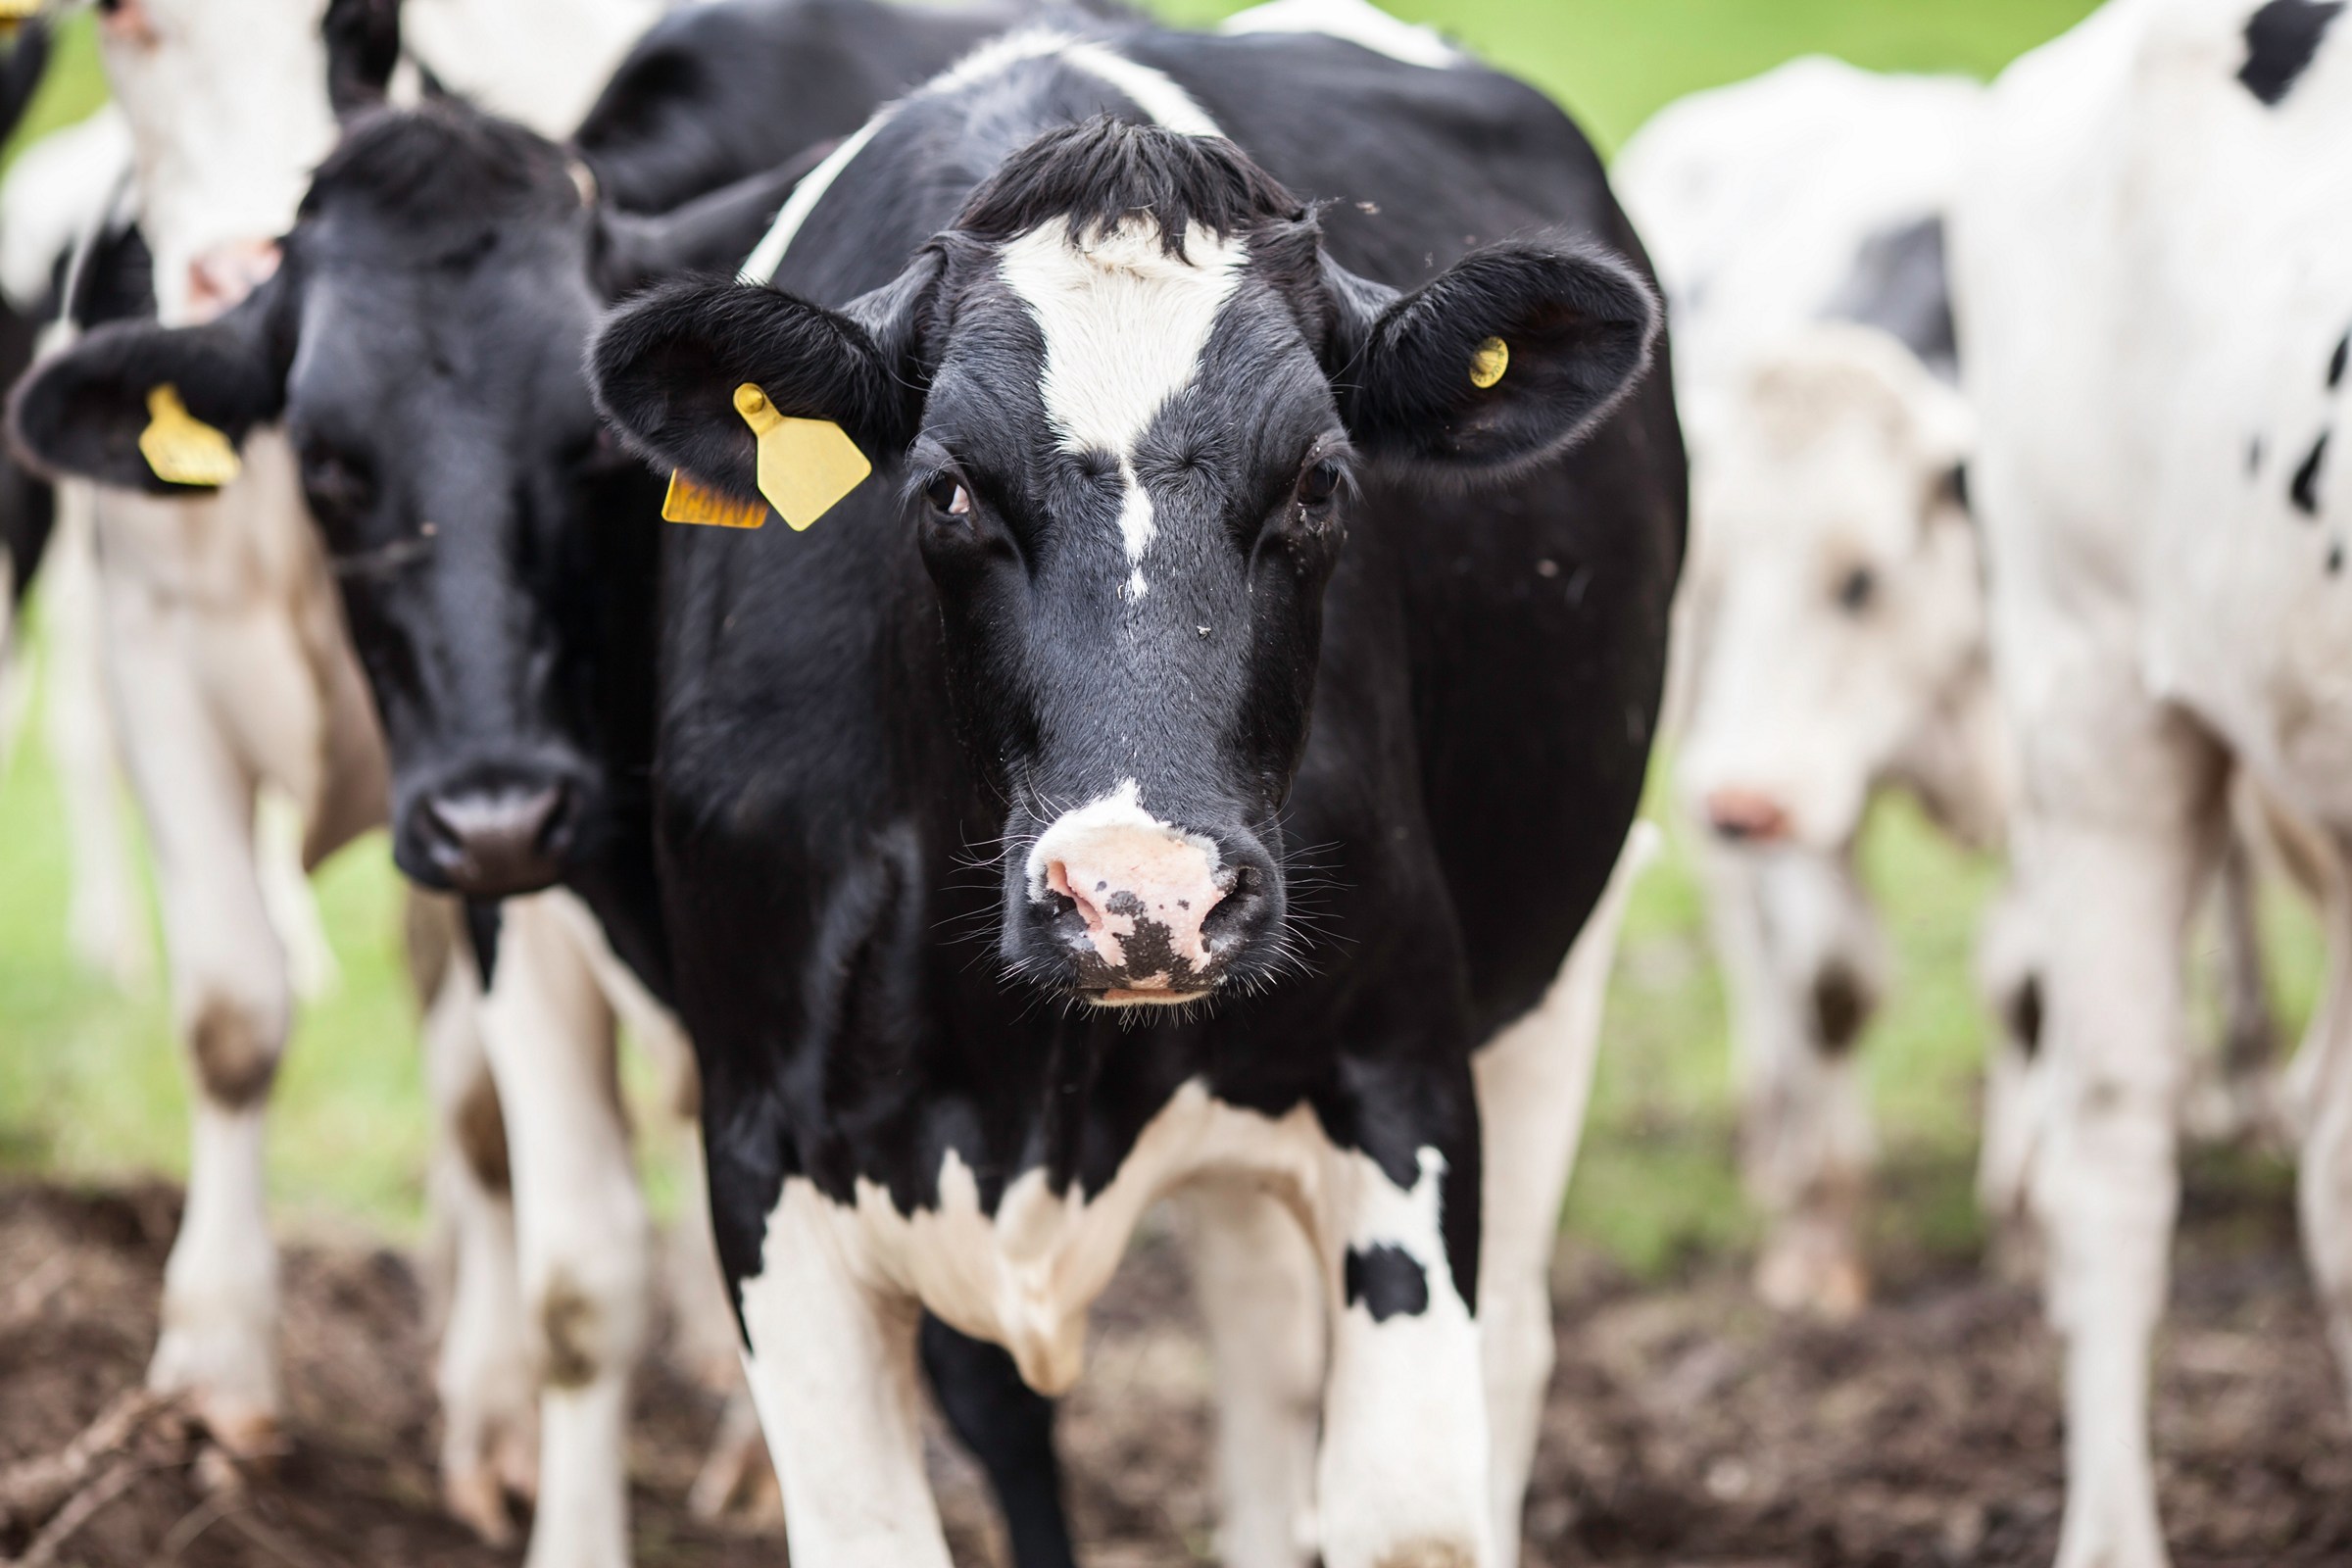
<point>1832,639</point>
<point>2156,310</point>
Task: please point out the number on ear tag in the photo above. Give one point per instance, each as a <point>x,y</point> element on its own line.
<point>1493,357</point>
<point>182,449</point>
<point>806,466</point>
<point>691,502</point>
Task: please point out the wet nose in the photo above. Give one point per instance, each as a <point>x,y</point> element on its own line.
<point>1144,891</point>
<point>1746,816</point>
<point>496,843</point>
<point>221,277</point>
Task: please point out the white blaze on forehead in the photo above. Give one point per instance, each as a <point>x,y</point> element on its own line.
<point>1125,324</point>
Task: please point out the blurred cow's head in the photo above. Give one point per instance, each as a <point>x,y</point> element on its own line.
<point>1839,604</point>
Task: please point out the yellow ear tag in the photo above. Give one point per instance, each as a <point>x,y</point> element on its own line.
<point>806,466</point>
<point>691,502</point>
<point>182,449</point>
<point>1493,357</point>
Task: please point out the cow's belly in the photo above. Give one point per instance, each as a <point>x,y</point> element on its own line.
<point>1026,1276</point>
<point>2255,642</point>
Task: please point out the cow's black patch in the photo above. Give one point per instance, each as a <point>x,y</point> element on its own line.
<point>481,929</point>
<point>2024,1017</point>
<point>2304,491</point>
<point>1898,283</point>
<point>2282,39</point>
<point>2335,361</point>
<point>1388,1280</point>
<point>1840,1006</point>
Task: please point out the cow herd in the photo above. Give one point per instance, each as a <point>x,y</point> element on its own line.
<point>1059,612</point>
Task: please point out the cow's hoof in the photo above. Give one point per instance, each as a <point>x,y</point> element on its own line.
<point>1832,1285</point>
<point>477,1498</point>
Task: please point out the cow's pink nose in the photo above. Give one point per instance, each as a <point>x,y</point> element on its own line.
<point>1747,815</point>
<point>1143,894</point>
<point>220,279</point>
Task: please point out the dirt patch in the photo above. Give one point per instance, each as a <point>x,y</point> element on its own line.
<point>1686,1426</point>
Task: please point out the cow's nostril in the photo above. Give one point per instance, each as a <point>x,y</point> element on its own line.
<point>497,842</point>
<point>1744,815</point>
<point>1057,877</point>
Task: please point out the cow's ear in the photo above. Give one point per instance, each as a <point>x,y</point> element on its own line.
<point>81,413</point>
<point>1504,359</point>
<point>666,368</point>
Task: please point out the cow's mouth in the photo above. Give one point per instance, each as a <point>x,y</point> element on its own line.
<point>1146,995</point>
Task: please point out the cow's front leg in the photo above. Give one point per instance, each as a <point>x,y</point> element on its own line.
<point>231,1008</point>
<point>1261,1290</point>
<point>832,1365</point>
<point>2114,901</point>
<point>1533,1082</point>
<point>1404,1474</point>
<point>587,1241</point>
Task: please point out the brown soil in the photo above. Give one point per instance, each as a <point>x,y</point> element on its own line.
<point>1686,1425</point>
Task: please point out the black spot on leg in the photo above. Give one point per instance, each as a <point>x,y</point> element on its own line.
<point>2024,1017</point>
<point>2337,361</point>
<point>2304,491</point>
<point>1388,1280</point>
<point>2282,39</point>
<point>1840,1006</point>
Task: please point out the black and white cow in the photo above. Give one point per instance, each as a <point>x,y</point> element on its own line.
<point>1199,559</point>
<point>2156,332</point>
<point>423,345</point>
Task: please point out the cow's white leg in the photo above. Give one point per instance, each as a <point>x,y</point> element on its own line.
<point>286,893</point>
<point>2114,901</point>
<point>489,1412</point>
<point>1533,1082</point>
<point>1800,959</point>
<point>586,1242</point>
<point>833,1369</point>
<point>1261,1292</point>
<point>1403,1476</point>
<point>231,1008</point>
<point>2325,1178</point>
<point>106,913</point>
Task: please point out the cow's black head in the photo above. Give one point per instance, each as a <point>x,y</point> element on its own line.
<point>423,345</point>
<point>1130,401</point>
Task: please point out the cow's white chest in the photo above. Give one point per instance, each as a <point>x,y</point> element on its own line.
<point>1026,1275</point>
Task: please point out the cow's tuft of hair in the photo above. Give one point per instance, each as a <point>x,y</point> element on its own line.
<point>1099,173</point>
<point>438,161</point>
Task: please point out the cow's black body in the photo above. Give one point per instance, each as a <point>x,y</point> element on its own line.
<point>1489,674</point>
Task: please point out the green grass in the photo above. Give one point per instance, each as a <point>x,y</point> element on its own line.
<point>89,1086</point>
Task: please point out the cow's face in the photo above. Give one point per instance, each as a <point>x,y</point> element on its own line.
<point>1128,400</point>
<point>423,345</point>
<point>1839,604</point>
<point>229,107</point>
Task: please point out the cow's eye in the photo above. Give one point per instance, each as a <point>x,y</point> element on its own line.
<point>949,496</point>
<point>1857,590</point>
<point>333,482</point>
<point>1318,484</point>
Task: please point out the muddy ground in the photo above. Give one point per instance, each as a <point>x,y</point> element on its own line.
<point>1686,1426</point>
